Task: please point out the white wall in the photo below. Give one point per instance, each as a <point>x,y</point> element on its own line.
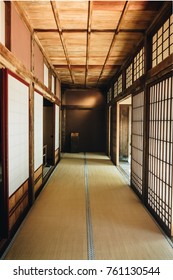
<point>2,22</point>
<point>46,75</point>
<point>18,133</point>
<point>53,84</point>
<point>38,130</point>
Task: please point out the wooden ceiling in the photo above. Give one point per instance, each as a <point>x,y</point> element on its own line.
<point>86,42</point>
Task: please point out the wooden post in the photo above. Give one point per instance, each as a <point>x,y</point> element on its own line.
<point>4,150</point>
<point>31,144</point>
<point>50,80</point>
<point>147,65</point>
<point>31,130</point>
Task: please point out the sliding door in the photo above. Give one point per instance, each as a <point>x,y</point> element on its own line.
<point>137,142</point>
<point>160,154</point>
<point>15,148</point>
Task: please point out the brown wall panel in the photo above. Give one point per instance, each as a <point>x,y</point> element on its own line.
<point>17,196</point>
<point>18,203</point>
<point>38,172</point>
<point>38,178</point>
<point>18,213</point>
<point>87,117</point>
<point>91,127</point>
<point>91,98</point>
<point>38,185</point>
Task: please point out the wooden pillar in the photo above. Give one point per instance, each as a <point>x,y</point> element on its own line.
<point>147,66</point>
<point>31,130</point>
<point>4,123</point>
<point>31,144</point>
<point>113,141</point>
<point>63,130</point>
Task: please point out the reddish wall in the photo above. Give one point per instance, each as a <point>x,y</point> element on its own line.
<point>20,39</point>
<point>38,63</point>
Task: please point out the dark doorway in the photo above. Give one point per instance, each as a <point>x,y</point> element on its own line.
<point>48,136</point>
<point>1,183</point>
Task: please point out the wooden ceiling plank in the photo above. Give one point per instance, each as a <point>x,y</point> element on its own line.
<point>114,37</point>
<point>55,13</point>
<point>90,38</point>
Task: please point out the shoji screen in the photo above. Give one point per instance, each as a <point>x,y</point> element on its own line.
<point>137,140</point>
<point>53,84</point>
<point>38,130</point>
<point>56,127</point>
<point>162,42</point>
<point>161,150</point>
<point>18,133</point>
<point>2,22</point>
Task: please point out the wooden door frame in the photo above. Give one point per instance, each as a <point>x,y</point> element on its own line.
<point>118,127</point>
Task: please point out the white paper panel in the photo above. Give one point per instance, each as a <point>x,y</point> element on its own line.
<point>56,127</point>
<point>18,131</point>
<point>38,130</point>
<point>53,84</point>
<point>45,75</point>
<point>2,22</point>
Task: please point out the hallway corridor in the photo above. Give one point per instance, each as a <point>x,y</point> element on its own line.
<point>86,211</point>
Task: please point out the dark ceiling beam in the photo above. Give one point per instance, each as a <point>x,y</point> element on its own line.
<point>43,30</point>
<point>56,16</point>
<point>89,66</point>
<point>114,38</point>
<point>40,30</point>
<point>88,38</point>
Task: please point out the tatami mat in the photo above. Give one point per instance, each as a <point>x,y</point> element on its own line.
<point>122,228</point>
<point>56,226</point>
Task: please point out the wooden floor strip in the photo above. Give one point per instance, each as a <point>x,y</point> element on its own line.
<point>88,215</point>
